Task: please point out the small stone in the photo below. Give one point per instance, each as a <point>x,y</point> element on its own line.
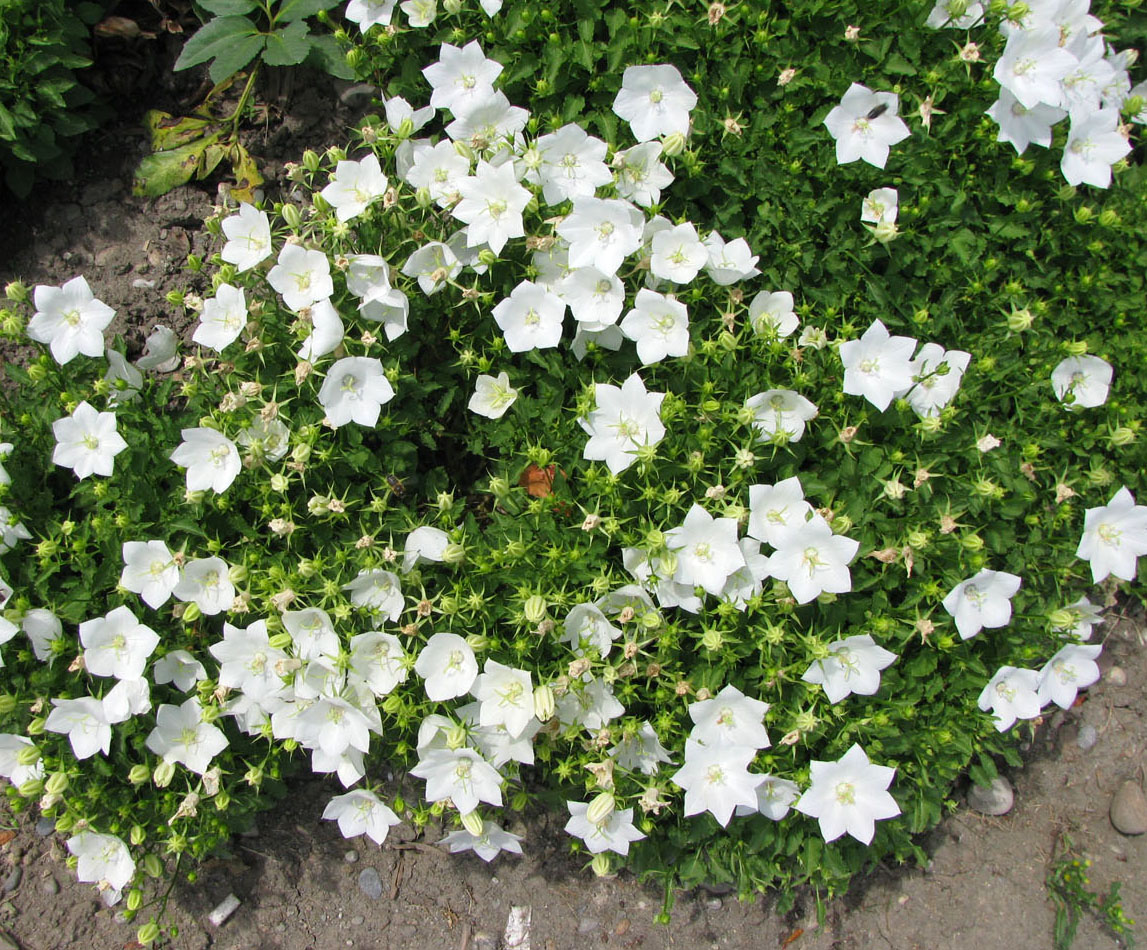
<point>356,95</point>
<point>997,799</point>
<point>12,881</point>
<point>622,927</point>
<point>45,827</point>
<point>370,883</point>
<point>350,857</point>
<point>50,886</point>
<point>1088,736</point>
<point>587,925</point>
<point>713,903</point>
<point>357,920</point>
<point>1117,676</point>
<point>226,907</point>
<point>1128,810</point>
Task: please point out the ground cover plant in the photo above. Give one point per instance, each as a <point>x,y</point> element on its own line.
<point>740,563</point>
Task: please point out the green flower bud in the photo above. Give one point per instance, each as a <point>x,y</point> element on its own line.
<point>1020,320</point>
<point>163,774</point>
<point>487,257</point>
<point>478,642</point>
<point>535,608</point>
<point>424,198</point>
<point>7,704</point>
<point>1121,435</point>
<point>17,291</point>
<point>57,783</point>
<point>454,553</point>
<point>712,640</point>
<point>137,835</point>
<point>972,542</point>
<point>601,864</point>
<point>280,641</point>
<point>152,865</point>
<point>1075,347</point>
<point>148,933</point>
<point>135,900</point>
<point>65,823</point>
<point>310,160</point>
<point>33,788</point>
<point>1083,214</point>
<point>37,372</point>
<point>673,144</point>
<point>292,216</point>
<point>28,755</point>
<point>600,808</point>
<point>1109,218</point>
<point>36,726</point>
<point>139,774</point>
<point>543,703</point>
<point>472,822</point>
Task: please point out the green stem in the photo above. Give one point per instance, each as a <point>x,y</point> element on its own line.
<point>236,117</point>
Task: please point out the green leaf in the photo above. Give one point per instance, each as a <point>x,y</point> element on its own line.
<point>247,177</point>
<point>236,58</point>
<point>229,7</point>
<point>7,129</point>
<point>293,10</point>
<point>168,131</point>
<point>327,55</point>
<point>157,174</point>
<point>220,39</point>
<point>289,46</point>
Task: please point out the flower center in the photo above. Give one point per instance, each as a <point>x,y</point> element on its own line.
<point>1109,534</point>
<point>91,443</point>
<point>496,208</point>
<point>72,318</point>
<point>531,319</point>
<point>845,793</point>
<point>715,775</point>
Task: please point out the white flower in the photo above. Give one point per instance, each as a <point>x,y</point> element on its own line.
<point>313,633</point>
<point>266,440</point>
<point>492,204</point>
<point>706,549</point>
<point>955,14</point>
<point>612,833</point>
<point>181,735</point>
<point>601,232</point>
<point>180,668</point>
<point>678,254</point>
<point>41,627</point>
<point>586,627</point>
<point>378,660</point>
<point>249,232</point>
<point>982,601</point>
<point>206,582</point>
<point>302,277</point>
<point>326,334</point>
<point>354,186</point>
<point>492,396</point>
<point>1073,668</point>
<point>85,724</point>
<point>129,697</point>
<point>655,101</point>
<point>461,775</point>
<point>780,414</point>
<point>865,124</point>
<point>11,530</point>
<point>1033,66</point>
<point>595,299</point>
<point>852,666</point>
<point>777,510</point>
<point>448,666</point>
<point>716,779</point>
<point>1093,145</point>
<point>641,750</point>
<point>368,13</point>
<point>123,379</point>
<point>506,696</point>
<point>531,318</point>
<point>1114,537</point>
<point>591,707</point>
<point>625,419</point>
<point>117,644</point>
<point>729,261</point>
<point>420,13</point>
<point>849,795</point>
<point>160,351</point>
<point>812,560</point>
<point>488,845</point>
<point>103,860</point>
<point>571,165</point>
<point>878,365</point>
<point>223,318</point>
<point>881,206</point>
<point>774,798</point>
<point>360,811</point>
<point>1010,695</point>
<point>462,77</point>
<point>659,325</point>
<point>10,748</point>
<point>773,312</point>
<point>247,661</point>
<point>87,441</point>
<point>937,374</point>
<point>639,176</point>
<point>377,590</point>
<point>1083,615</point>
<point>424,543</point>
<point>211,459</point>
<point>355,390</point>
<point>404,120</point>
<point>1082,382</point>
<point>729,719</point>
<point>434,264</point>
<point>70,320</point>
<point>438,169</point>
<point>1021,126</point>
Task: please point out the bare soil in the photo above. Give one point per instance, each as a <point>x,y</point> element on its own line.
<point>297,879</point>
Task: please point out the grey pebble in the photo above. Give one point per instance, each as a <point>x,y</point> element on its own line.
<point>587,925</point>
<point>370,883</point>
<point>1088,736</point>
<point>357,920</point>
<point>997,799</point>
<point>713,903</point>
<point>50,886</point>
<point>1128,809</point>
<point>1117,676</point>
<point>350,857</point>
<point>45,827</point>
<point>12,881</point>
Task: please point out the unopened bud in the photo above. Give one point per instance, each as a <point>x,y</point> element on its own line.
<point>600,808</point>
<point>311,160</point>
<point>139,774</point>
<point>472,822</point>
<point>454,553</point>
<point>535,608</point>
<point>292,216</point>
<point>163,774</point>
<point>1020,320</point>
<point>543,703</point>
<point>28,755</point>
<point>673,144</point>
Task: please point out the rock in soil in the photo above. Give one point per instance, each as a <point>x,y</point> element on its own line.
<point>370,883</point>
<point>1129,809</point>
<point>12,881</point>
<point>997,799</point>
<point>1088,736</point>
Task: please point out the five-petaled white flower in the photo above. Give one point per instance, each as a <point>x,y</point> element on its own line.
<point>716,779</point>
<point>506,697</point>
<point>360,811</point>
<point>658,324</point>
<point>181,735</point>
<point>355,390</point>
<point>655,101</point>
<point>492,204</point>
<point>223,319</point>
<point>531,318</point>
<point>853,665</point>
<point>462,77</point>
<point>448,666</point>
<point>461,775</point>
<point>772,312</point>
<point>1082,382</point>
<point>614,832</point>
<point>780,414</point>
<point>492,396</point>
<point>104,860</point>
<point>87,441</point>
<point>248,235</point>
<point>1114,537</point>
<point>706,549</point>
<point>117,644</point>
<point>1010,695</point>
<point>626,420</point>
<point>865,124</point>
<point>354,186</point>
<point>302,277</point>
<point>1073,668</point>
<point>211,459</point>
<point>982,601</point>
<point>70,320</point>
<point>488,845</point>
<point>812,560</point>
<point>849,795</point>
<point>878,365</point>
<point>729,719</point>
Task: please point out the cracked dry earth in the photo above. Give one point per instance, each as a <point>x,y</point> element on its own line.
<point>302,887</point>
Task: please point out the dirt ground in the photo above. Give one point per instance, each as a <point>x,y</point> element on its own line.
<point>298,881</point>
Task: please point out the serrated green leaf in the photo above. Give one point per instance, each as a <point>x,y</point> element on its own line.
<point>294,10</point>
<point>218,39</point>
<point>236,58</point>
<point>327,55</point>
<point>289,46</point>
<point>229,7</point>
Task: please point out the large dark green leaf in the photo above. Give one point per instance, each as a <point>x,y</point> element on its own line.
<point>289,46</point>
<point>228,39</point>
